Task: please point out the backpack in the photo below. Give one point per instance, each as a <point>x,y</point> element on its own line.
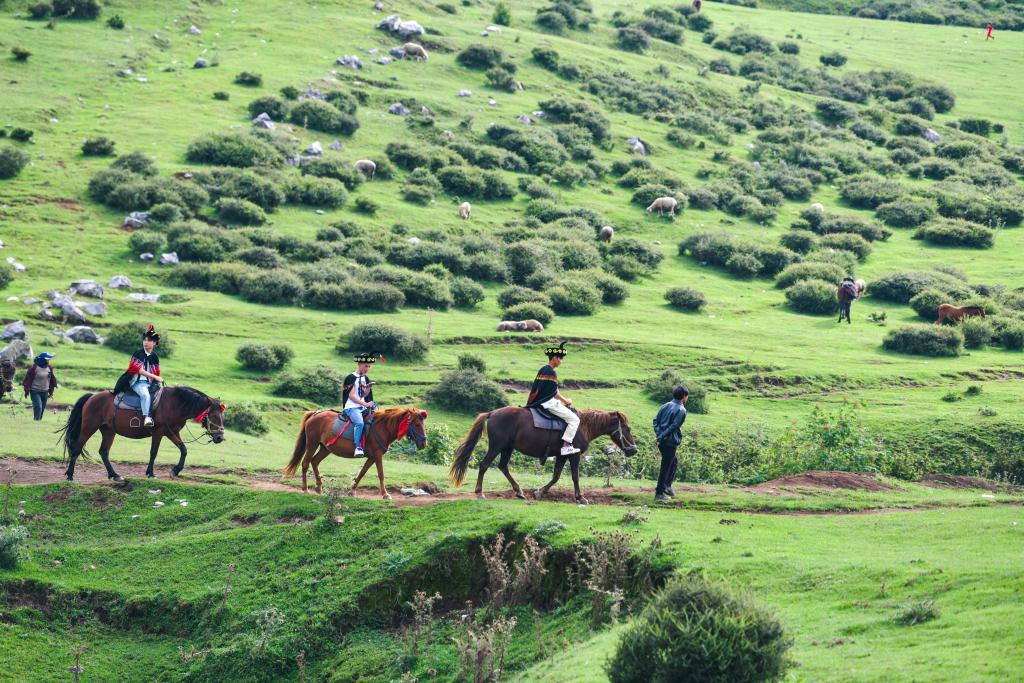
<point>850,290</point>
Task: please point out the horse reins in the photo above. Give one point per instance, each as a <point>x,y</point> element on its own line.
<point>621,434</point>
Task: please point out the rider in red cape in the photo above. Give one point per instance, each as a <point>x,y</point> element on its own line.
<point>142,374</point>
<point>545,394</point>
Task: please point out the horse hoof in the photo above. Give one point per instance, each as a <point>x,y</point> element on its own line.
<point>175,471</point>
<point>117,479</point>
<point>520,495</point>
<point>538,494</point>
<point>150,475</point>
<point>582,501</point>
<point>69,477</point>
<point>386,496</point>
<point>481,496</point>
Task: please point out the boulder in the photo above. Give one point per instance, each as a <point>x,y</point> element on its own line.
<point>264,123</point>
<point>46,314</point>
<point>494,29</point>
<point>336,145</point>
<point>19,349</point>
<point>523,118</point>
<point>120,282</point>
<point>373,51</point>
<point>413,240</point>
<point>398,109</point>
<point>426,111</point>
<point>31,301</point>
<point>465,93</point>
<point>397,52</point>
<point>13,298</point>
<point>136,219</point>
<point>350,61</point>
<point>170,259</point>
<point>71,312</point>
<point>539,114</point>
<point>97,308</point>
<point>146,256</point>
<point>757,165</point>
<point>83,334</point>
<point>149,298</point>
<point>930,135</point>
<point>87,288</point>
<point>818,206</point>
<point>200,64</point>
<point>379,6</point>
<point>492,103</point>
<point>384,60</point>
<point>314,93</point>
<point>315,149</point>
<point>484,34</point>
<point>15,330</point>
<point>14,264</point>
<point>637,146</point>
<point>194,30</point>
<point>406,29</point>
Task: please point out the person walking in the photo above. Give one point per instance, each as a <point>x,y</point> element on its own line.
<point>668,433</point>
<point>988,34</point>
<point>39,383</point>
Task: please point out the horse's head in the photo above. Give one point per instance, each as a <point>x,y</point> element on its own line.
<point>622,435</point>
<point>212,419</point>
<point>415,429</point>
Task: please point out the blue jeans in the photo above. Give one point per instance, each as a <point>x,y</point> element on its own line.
<point>358,425</point>
<point>141,389</point>
<point>38,403</point>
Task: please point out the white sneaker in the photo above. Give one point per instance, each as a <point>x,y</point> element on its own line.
<point>148,422</point>
<point>570,450</point>
<point>359,451</point>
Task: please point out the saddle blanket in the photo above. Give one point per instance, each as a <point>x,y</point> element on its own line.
<point>343,428</point>
<point>129,400</point>
<point>542,419</point>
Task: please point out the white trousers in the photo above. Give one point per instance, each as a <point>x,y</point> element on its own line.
<point>572,420</point>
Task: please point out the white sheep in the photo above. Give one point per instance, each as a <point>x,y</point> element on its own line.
<point>366,167</point>
<point>607,232</point>
<point>861,287</point>
<point>464,210</point>
<point>415,50</point>
<point>663,204</point>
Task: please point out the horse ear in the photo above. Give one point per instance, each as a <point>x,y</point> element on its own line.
<point>223,408</point>
<point>423,415</point>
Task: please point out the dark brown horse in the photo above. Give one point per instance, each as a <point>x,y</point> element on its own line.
<point>177,406</point>
<point>6,377</point>
<point>953,314</point>
<point>511,429</point>
<point>388,426</point>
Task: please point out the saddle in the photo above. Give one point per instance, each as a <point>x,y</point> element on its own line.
<point>129,400</point>
<point>542,419</point>
<point>344,429</point>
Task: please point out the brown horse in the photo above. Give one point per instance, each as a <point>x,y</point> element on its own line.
<point>511,429</point>
<point>953,314</point>
<point>6,377</point>
<point>388,426</point>
<point>177,406</point>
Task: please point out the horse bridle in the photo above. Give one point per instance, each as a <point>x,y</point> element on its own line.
<point>411,433</point>
<point>622,435</point>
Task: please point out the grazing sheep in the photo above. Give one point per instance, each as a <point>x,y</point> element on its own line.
<point>861,287</point>
<point>817,206</point>
<point>464,210</point>
<point>607,232</point>
<point>531,325</point>
<point>366,167</point>
<point>507,326</point>
<point>416,51</point>
<point>663,204</point>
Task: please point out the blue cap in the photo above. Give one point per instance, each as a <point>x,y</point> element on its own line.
<point>45,356</point>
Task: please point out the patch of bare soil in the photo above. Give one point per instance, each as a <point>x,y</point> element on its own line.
<point>954,481</point>
<point>859,481</point>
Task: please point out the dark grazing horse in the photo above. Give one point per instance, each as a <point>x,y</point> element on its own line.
<point>511,429</point>
<point>177,406</point>
<point>388,426</point>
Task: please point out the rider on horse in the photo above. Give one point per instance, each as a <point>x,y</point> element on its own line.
<point>545,394</point>
<point>358,396</point>
<point>143,372</point>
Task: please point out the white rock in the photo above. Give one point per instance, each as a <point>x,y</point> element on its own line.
<point>170,259</point>
<point>384,60</point>
<point>136,219</point>
<point>398,109</point>
<point>31,301</point>
<point>315,149</point>
<point>15,330</point>
<point>465,93</point>
<point>19,349</point>
<point>135,516</point>
<point>13,298</point>
<point>83,334</point>
<point>523,118</point>
<point>158,504</point>
<point>492,103</point>
<point>194,30</point>
<point>414,240</point>
<point>426,111</point>
<point>336,145</point>
<point>89,288</point>
<point>97,308</point>
<point>494,29</point>
<point>146,256</point>
<point>154,492</point>
<point>119,282</point>
<point>139,296</point>
<point>200,64</point>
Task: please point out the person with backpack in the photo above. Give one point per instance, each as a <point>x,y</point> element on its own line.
<point>846,293</point>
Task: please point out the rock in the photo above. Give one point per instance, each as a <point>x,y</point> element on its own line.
<point>320,212</point>
<point>16,265</point>
<point>87,288</point>
<point>83,334</point>
<point>31,301</point>
<point>264,123</point>
<point>149,298</point>
<point>494,29</point>
<point>657,242</point>
<point>97,308</point>
<point>492,103</point>
<point>484,34</point>
<point>194,30</point>
<point>413,240</point>
<point>314,93</point>
<point>13,298</point>
<point>523,118</point>
<point>262,117</point>
<point>145,256</point>
<point>818,206</point>
<point>336,145</point>
<point>398,109</point>
<point>1,244</point>
<point>406,29</point>
<point>125,73</point>
<point>200,64</point>
<point>384,60</point>
<point>45,314</point>
<point>757,165</point>
<point>465,93</point>
<point>539,114</point>
<point>930,135</point>
<point>120,282</point>
<point>637,146</point>
<point>379,6</point>
<point>170,259</point>
<point>414,492</point>
<point>19,349</point>
<point>71,312</point>
<point>397,52</point>
<point>350,61</point>
<point>136,219</point>
<point>373,51</point>
<point>426,111</point>
<point>15,330</point>
<point>315,149</point>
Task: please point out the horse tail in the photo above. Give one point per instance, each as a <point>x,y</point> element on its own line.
<point>300,446</point>
<point>72,429</point>
<point>460,464</point>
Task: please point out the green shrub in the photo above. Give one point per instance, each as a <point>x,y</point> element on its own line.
<point>835,112</point>
<point>867,192</point>
<point>261,257</point>
<point>239,211</point>
<point>906,212</point>
<point>479,56</point>
<point>570,297</point>
<point>40,10</point>
<point>925,340</point>
<point>246,418</point>
<point>633,39</point>
<point>901,287</point>
<point>366,205</point>
<point>978,332</point>
<point>127,338</point>
<point>800,241</point>
<point>326,192</point>
<point>321,384</point>
<point>21,134</point>
<point>835,59</point>
<point>685,298</point>
<point>271,287</point>
<point>926,303</point>
<point>419,288</point>
<point>500,78</point>
<point>142,241</point>
<point>249,79</point>
<point>462,181</point>
<point>274,107</point>
<point>221,95</point>
<point>21,54</point>
<point>613,290</point>
<point>471,361</point>
<point>384,339</point>
<point>847,241</point>
<point>659,389</point>
<point>6,275</point>
<point>420,186</point>
<point>810,270</point>
<point>816,297</point>
<point>76,9</point>
<point>502,15</point>
<point>546,57</point>
<point>377,296</point>
<point>741,42</point>
<point>916,612</point>
<point>529,310</point>
<point>11,162</point>
<point>552,21</point>
<point>956,233</point>
<point>742,264</point>
<point>323,116</point>
<point>233,149</point>
<point>788,47</point>
<point>977,126</point>
<point>1012,337</point>
<point>116,22</point>
<point>264,357</point>
<point>466,293</point>
<point>98,147</point>
<point>13,540</point>
<point>695,630</point>
<point>467,391</point>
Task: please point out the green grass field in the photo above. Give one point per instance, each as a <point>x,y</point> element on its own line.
<point>834,579</point>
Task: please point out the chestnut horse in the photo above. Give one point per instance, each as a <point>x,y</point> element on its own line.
<point>511,429</point>
<point>953,314</point>
<point>177,406</point>
<point>388,426</point>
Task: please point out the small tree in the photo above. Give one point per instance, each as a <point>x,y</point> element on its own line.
<point>502,15</point>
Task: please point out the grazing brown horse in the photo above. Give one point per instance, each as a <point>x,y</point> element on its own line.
<point>177,406</point>
<point>388,426</point>
<point>6,377</point>
<point>511,429</point>
<point>953,314</point>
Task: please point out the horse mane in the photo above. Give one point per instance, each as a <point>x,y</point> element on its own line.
<point>394,413</point>
<point>192,400</point>
<point>973,308</point>
<point>598,419</point>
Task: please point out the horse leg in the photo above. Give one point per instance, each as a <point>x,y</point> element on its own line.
<point>154,448</point>
<point>506,455</point>
<point>574,467</point>
<point>362,473</point>
<point>559,464</point>
<point>76,450</point>
<point>175,438</point>
<point>492,453</point>
<point>315,461</point>
<point>108,439</point>
<point>380,476</point>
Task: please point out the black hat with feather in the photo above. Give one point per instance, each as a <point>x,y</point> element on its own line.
<point>151,335</point>
<point>368,357</point>
<point>553,351</point>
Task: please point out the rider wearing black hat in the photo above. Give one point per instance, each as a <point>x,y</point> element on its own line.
<point>143,372</point>
<point>357,394</point>
<point>546,395</point>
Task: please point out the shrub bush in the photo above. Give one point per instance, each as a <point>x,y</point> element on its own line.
<point>246,418</point>
<point>613,290</point>
<point>323,116</point>
<point>552,21</point>
<point>98,147</point>
<point>321,385</point>
<point>901,287</point>
<point>233,149</point>
<point>906,212</point>
<point>250,79</point>
<point>835,59</point>
<point>466,293</point>
<point>546,57</point>
<point>925,340</point>
<point>376,296</point>
<point>479,56</point>
<point>239,211</point>
<point>271,287</point>
<point>21,134</point>
<point>529,310</point>
<point>326,192</point>
<point>956,233</point>
<point>570,297</point>
<point>385,339</point>
<point>274,107</point>
<point>976,126</point>
<point>142,241</point>
<point>685,298</point>
<point>816,297</point>
<point>742,41</point>
<point>76,9</point>
<point>659,389</point>
<point>926,303</point>
<point>810,270</point>
<point>467,391</point>
<point>11,162</point>
<point>695,630</point>
<point>500,78</point>
<point>264,357</point>
<point>127,338</point>
<point>847,241</point>
<point>742,264</point>
<point>462,181</point>
<point>40,10</point>
<point>260,257</point>
<point>799,241</point>
<point>977,332</point>
<point>366,205</point>
<point>1012,337</point>
<point>6,275</point>
<point>867,192</point>
<point>502,15</point>
<point>633,39</point>
<point>835,112</point>
<point>788,47</point>
<point>12,545</point>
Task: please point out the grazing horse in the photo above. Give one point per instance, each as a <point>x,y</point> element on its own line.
<point>388,426</point>
<point>953,314</point>
<point>177,406</point>
<point>6,377</point>
<point>511,429</point>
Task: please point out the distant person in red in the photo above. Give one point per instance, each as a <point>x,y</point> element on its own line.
<point>989,36</point>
